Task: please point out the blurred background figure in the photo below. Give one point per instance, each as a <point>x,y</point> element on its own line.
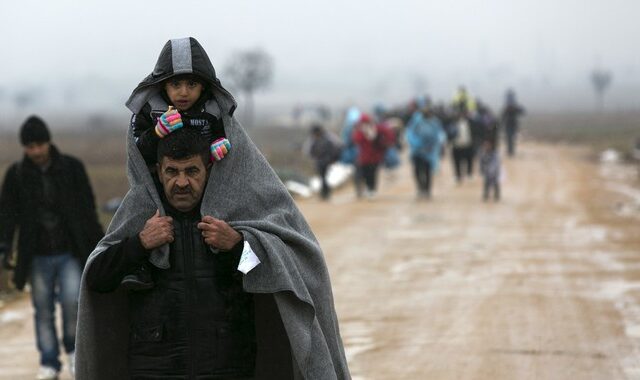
<point>385,120</point>
<point>487,125</point>
<point>490,166</point>
<point>462,146</point>
<point>372,140</point>
<point>349,154</point>
<point>47,198</point>
<point>462,101</point>
<point>510,115</point>
<point>324,148</point>
<point>425,137</point>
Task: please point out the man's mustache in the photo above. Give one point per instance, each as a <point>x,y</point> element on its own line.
<point>183,190</point>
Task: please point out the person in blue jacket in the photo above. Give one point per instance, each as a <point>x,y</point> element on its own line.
<point>426,138</point>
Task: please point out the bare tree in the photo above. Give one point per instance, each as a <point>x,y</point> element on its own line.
<point>249,71</point>
<point>600,79</point>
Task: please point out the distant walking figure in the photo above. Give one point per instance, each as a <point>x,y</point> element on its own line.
<point>349,155</point>
<point>510,114</point>
<point>462,144</point>
<point>490,167</point>
<point>372,140</point>
<point>324,148</point>
<point>425,137</point>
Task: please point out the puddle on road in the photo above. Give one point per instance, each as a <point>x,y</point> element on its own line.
<point>615,290</point>
<point>623,179</point>
<point>12,316</point>
<point>357,338</point>
<point>625,303</point>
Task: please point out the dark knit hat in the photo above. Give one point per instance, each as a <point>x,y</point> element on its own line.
<point>34,130</point>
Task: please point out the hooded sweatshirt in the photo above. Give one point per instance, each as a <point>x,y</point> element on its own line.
<point>204,114</point>
<point>244,191</point>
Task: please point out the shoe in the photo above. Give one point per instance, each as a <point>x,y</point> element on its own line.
<point>369,194</point>
<point>47,373</point>
<point>423,195</point>
<point>71,362</point>
<point>139,280</point>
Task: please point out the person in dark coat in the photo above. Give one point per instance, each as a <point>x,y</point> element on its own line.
<point>462,147</point>
<point>47,196</point>
<point>324,149</point>
<point>208,331</point>
<point>510,114</point>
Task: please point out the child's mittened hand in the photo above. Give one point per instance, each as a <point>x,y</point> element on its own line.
<point>168,122</point>
<point>219,149</point>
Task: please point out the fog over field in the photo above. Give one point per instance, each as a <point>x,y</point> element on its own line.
<point>67,56</point>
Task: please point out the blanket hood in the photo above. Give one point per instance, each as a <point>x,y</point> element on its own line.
<point>180,56</point>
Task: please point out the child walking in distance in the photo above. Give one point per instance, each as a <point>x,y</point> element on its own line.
<point>490,167</point>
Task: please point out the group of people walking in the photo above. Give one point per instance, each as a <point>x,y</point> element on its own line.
<point>467,126</point>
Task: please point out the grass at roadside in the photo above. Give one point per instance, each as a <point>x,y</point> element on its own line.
<point>599,130</point>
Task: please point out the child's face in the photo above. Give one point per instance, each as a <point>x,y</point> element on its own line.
<point>183,93</point>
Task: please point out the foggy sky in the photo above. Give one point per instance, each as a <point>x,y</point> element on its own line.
<point>92,54</point>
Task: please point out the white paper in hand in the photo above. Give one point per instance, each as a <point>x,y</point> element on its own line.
<point>248,260</point>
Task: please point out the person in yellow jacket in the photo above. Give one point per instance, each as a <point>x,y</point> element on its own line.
<point>462,101</point>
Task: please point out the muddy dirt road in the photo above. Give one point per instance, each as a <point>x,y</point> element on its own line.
<point>543,285</point>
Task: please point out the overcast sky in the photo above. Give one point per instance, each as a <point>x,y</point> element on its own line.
<point>331,51</point>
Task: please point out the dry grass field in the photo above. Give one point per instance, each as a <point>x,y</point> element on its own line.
<point>601,131</point>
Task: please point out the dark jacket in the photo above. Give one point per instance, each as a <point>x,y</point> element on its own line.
<point>196,322</point>
<point>510,115</point>
<point>324,149</point>
<point>22,194</point>
<point>143,125</point>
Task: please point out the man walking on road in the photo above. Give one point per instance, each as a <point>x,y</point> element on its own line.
<point>324,148</point>
<point>48,198</point>
<point>510,115</point>
<point>426,137</point>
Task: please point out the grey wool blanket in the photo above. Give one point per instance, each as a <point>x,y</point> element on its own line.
<point>243,190</point>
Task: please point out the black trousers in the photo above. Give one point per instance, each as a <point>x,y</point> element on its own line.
<point>511,135</point>
<point>422,173</point>
<point>463,156</point>
<point>370,175</point>
<point>325,190</point>
<point>357,179</point>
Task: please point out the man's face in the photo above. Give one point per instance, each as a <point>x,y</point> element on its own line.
<point>183,181</point>
<point>183,93</point>
<point>38,152</point>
